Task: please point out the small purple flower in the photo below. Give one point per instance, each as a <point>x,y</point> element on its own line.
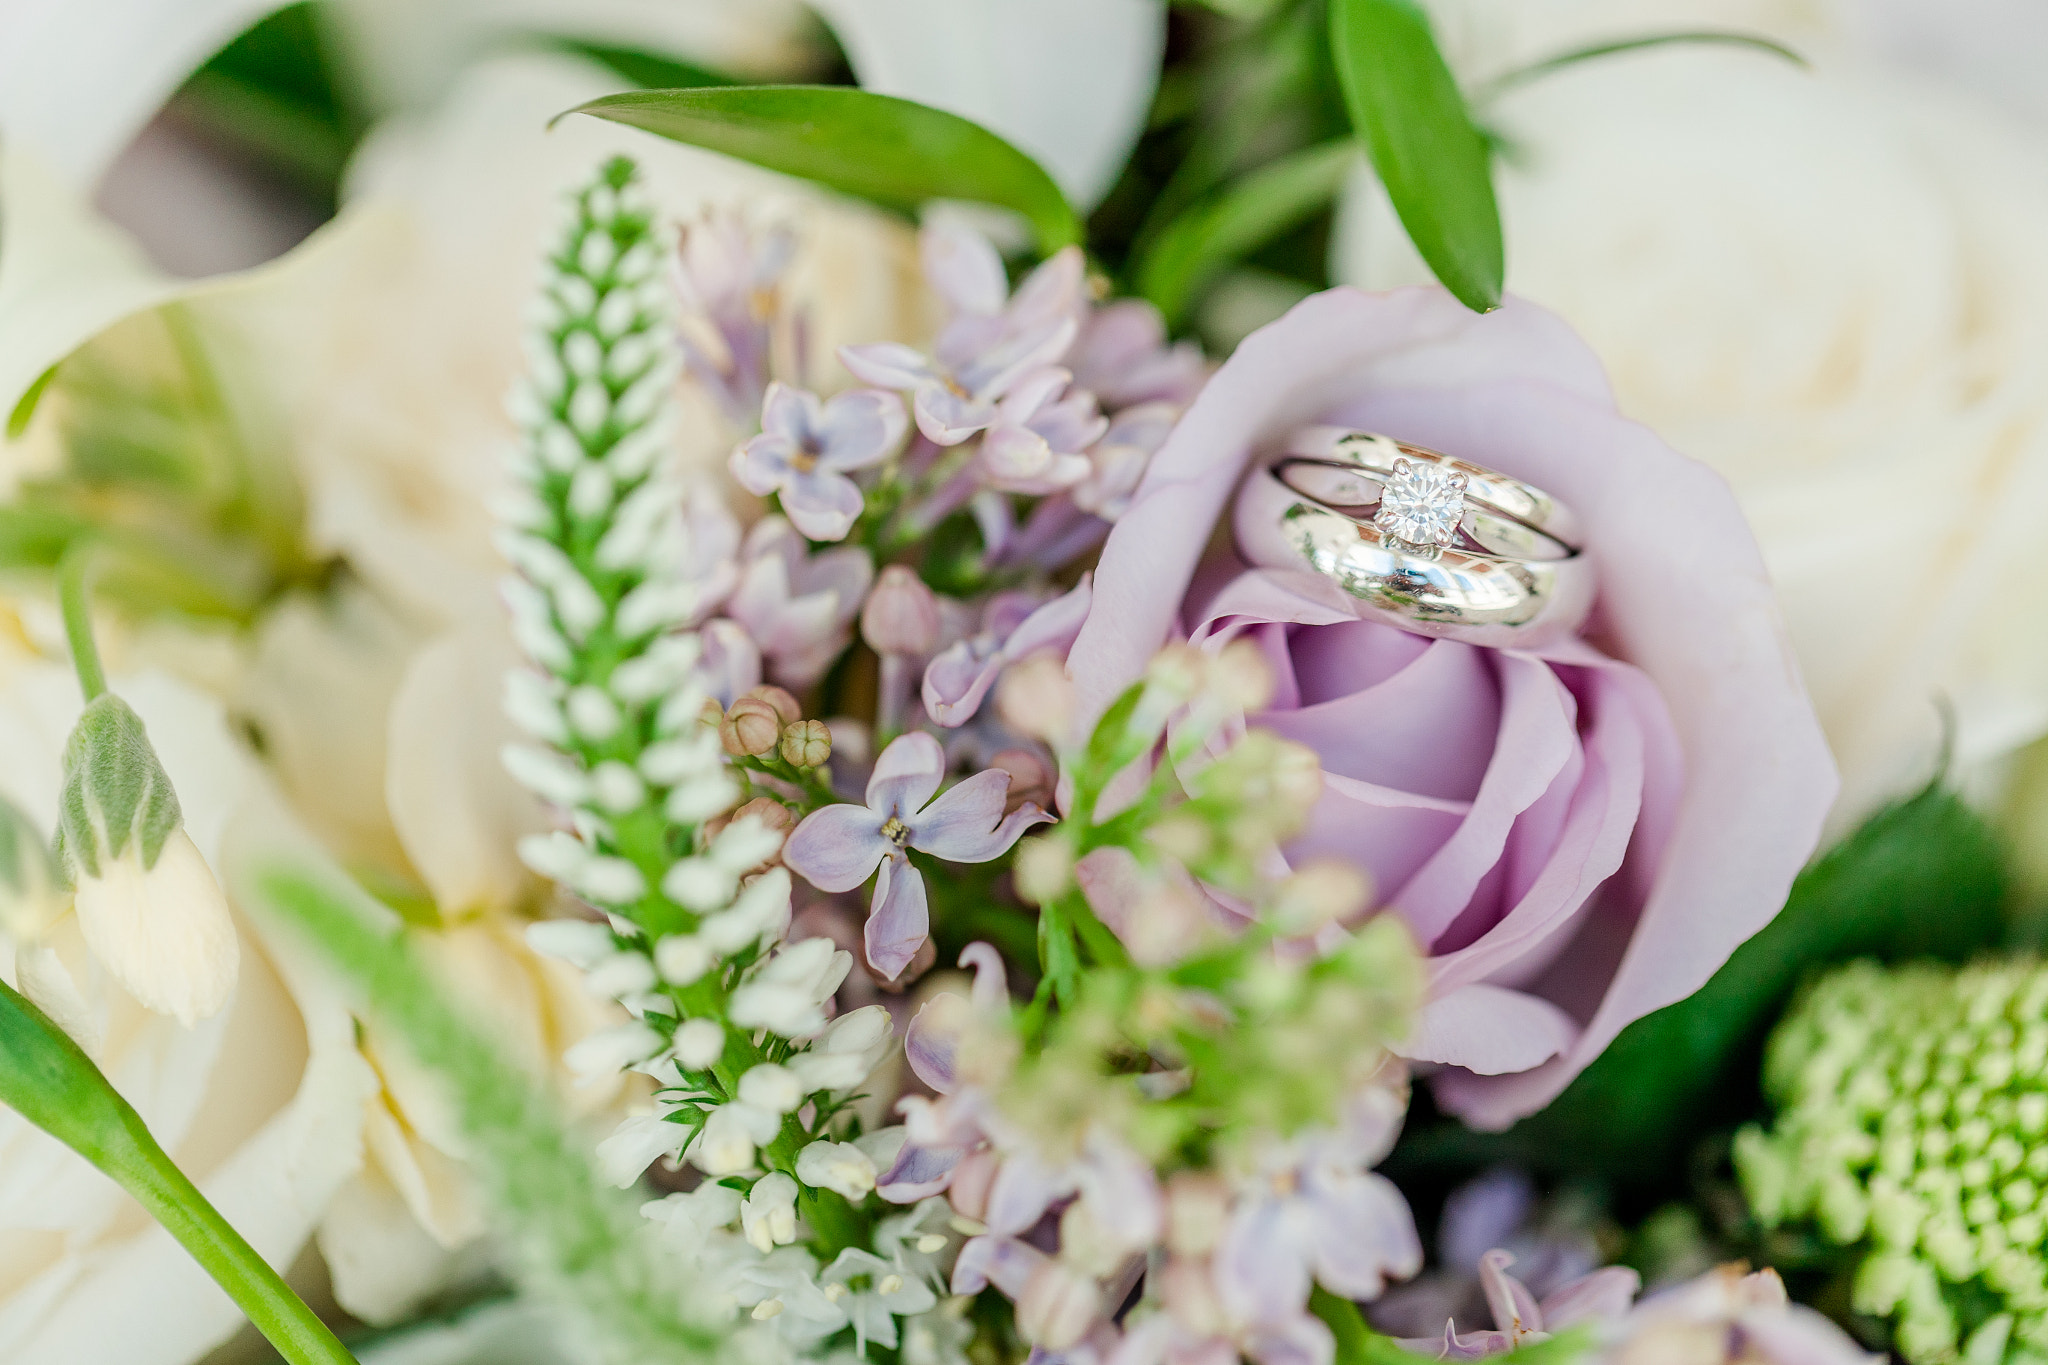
<point>1314,1211</point>
<point>806,449</point>
<point>797,605</point>
<point>1122,355</point>
<point>1119,460</point>
<point>727,277</point>
<point>1042,428</point>
<point>991,342</point>
<point>839,847</point>
<point>1014,626</point>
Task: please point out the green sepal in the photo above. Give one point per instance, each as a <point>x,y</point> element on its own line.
<point>115,790</point>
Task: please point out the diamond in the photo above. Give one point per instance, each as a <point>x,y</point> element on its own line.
<point>1421,504</point>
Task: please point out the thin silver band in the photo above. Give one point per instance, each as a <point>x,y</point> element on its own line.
<point>1522,584</point>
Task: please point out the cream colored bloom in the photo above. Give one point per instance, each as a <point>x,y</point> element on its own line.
<point>1828,285</point>
<point>257,1103</point>
<point>163,931</point>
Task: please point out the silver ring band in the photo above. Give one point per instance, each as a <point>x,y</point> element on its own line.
<point>1375,455</point>
<point>1482,576</point>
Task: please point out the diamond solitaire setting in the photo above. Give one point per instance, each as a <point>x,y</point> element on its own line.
<point>1421,504</point>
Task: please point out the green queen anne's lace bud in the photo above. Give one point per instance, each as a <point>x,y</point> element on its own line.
<point>1913,1125</point>
<point>147,904</point>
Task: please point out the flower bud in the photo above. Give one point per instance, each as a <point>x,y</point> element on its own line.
<point>1325,891</point>
<point>1197,1209</point>
<point>806,744</point>
<point>147,904</point>
<point>771,813</point>
<point>786,707</point>
<point>1057,1307</point>
<point>750,728</point>
<point>768,1215</point>
<point>1240,676</point>
<point>771,1087</point>
<point>1036,698</point>
<point>700,1043</point>
<point>837,1166</point>
<point>1043,867</point>
<point>901,615</point>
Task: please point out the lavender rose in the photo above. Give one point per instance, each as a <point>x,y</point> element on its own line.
<point>1580,834</point>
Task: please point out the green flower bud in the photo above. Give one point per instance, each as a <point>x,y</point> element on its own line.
<point>147,904</point>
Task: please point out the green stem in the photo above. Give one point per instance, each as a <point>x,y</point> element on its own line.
<point>77,606</point>
<point>48,1079</point>
<point>258,1290</point>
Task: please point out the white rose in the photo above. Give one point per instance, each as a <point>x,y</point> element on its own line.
<point>1829,285</point>
<point>259,1104</point>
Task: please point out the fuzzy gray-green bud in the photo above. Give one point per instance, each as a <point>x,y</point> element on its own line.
<point>115,790</point>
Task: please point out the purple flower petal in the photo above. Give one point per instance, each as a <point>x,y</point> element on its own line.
<point>964,267</point>
<point>1515,1310</point>
<point>1606,1293</point>
<point>906,775</point>
<point>1021,1192</point>
<point>918,1173</point>
<point>836,848</point>
<point>859,428</point>
<point>1261,1273</point>
<point>762,464</point>
<point>790,413</point>
<point>1363,1234</point>
<point>898,918</point>
<point>958,826</point>
<point>1295,1340</point>
<point>946,417</point>
<point>956,682</point>
<point>889,365</point>
<point>821,504</point>
<point>1482,1214</point>
<point>991,979</point>
<point>1004,1262</point>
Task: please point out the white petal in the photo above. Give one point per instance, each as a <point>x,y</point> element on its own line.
<point>164,932</point>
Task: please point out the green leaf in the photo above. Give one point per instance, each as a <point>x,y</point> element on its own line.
<point>1522,75</point>
<point>648,70</point>
<point>1922,878</point>
<point>48,1079</point>
<point>25,410</point>
<point>892,152</point>
<point>1428,153</point>
<point>1243,217</point>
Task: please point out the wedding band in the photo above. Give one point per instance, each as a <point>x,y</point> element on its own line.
<point>1423,541</point>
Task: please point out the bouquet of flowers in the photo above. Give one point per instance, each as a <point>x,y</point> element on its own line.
<point>731,733</point>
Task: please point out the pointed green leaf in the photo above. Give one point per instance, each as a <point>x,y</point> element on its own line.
<point>892,152</point>
<point>1433,160</point>
<point>1243,217</point>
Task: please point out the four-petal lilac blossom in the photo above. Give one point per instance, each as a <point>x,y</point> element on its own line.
<point>1042,429</point>
<point>1015,625</point>
<point>990,344</point>
<point>727,278</point>
<point>806,448</point>
<point>839,847</point>
<point>1314,1211</point>
<point>797,605</point>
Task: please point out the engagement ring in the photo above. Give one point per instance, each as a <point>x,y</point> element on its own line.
<point>1430,543</point>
